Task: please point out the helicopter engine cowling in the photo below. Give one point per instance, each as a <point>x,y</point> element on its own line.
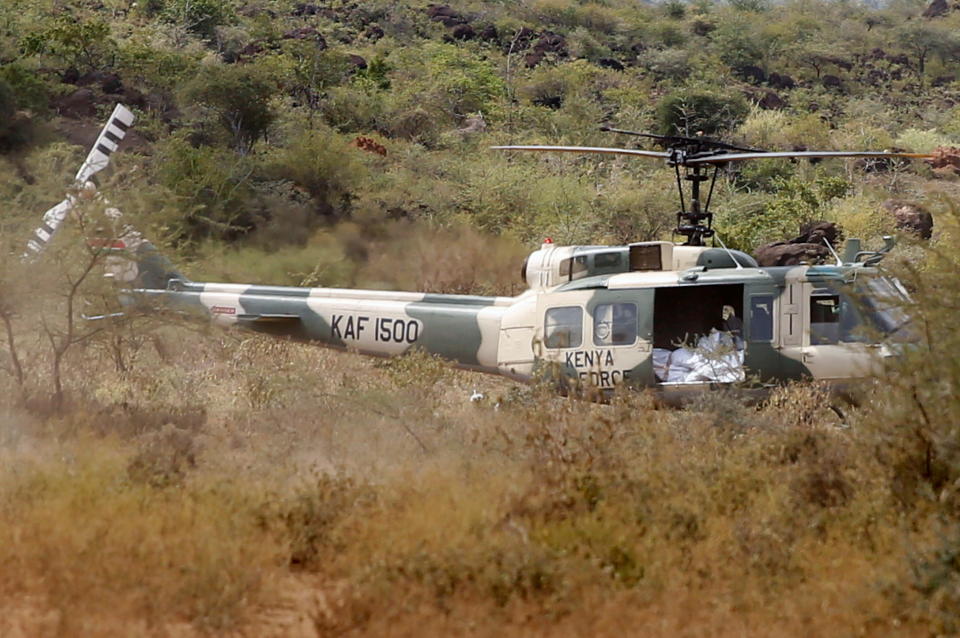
<point>553,265</point>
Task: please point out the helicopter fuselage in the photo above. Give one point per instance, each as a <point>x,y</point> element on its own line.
<point>676,330</point>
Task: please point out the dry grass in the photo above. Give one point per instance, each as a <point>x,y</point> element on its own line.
<point>214,483</point>
<point>321,493</point>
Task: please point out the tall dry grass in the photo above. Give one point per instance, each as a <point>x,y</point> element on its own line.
<point>221,484</point>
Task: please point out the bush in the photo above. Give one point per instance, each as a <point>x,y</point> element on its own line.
<point>690,112</point>
<point>213,187</point>
<point>238,97</point>
<point>199,16</point>
<point>445,82</point>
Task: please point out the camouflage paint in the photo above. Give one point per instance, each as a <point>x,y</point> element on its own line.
<point>467,329</point>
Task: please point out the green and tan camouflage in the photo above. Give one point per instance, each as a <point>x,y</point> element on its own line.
<point>596,315</point>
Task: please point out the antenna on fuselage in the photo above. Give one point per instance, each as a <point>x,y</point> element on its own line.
<point>724,246</point>
<point>833,252</point>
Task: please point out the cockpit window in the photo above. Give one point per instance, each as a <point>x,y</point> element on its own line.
<point>873,309</point>
<point>615,324</point>
<point>563,327</point>
<point>824,319</point>
<point>883,301</point>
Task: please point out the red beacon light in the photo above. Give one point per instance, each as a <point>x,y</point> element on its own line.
<point>548,241</point>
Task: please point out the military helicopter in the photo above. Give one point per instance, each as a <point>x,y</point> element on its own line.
<point>675,317</point>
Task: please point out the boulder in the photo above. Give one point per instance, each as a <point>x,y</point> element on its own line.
<point>373,32</point>
<point>702,27</point>
<point>771,101</point>
<point>305,9</point>
<point>133,97</point>
<point>611,63</point>
<point>532,59</point>
<point>489,33</point>
<point>70,76</point>
<point>521,39</point>
<point>807,248</point>
<point>816,232</point>
<point>831,82</point>
<point>357,62</point>
<point>108,82</point>
<point>306,33</point>
<point>253,49</point>
<point>550,42</point>
<point>780,81</point>
<point>911,218</point>
<point>752,74</point>
<point>945,157</point>
<point>549,101</point>
<point>79,104</point>
<point>463,32</point>
<point>473,124</point>
<point>445,15</point>
<point>782,253</point>
<point>936,9</point>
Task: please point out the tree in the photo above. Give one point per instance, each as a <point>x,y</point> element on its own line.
<point>925,39</point>
<point>239,98</point>
<point>688,112</point>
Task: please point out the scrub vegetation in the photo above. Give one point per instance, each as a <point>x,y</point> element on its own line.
<point>165,479</point>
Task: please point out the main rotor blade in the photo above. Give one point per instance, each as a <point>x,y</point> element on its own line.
<point>735,157</point>
<point>113,131</point>
<point>51,222</point>
<point>585,149</point>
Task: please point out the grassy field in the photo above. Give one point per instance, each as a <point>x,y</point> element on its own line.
<point>159,479</point>
<point>229,485</point>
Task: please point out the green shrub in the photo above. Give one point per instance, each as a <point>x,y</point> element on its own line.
<point>199,16</point>
<point>238,97</point>
<point>81,44</point>
<point>690,112</point>
<point>213,187</point>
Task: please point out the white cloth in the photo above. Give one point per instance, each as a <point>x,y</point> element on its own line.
<point>718,358</point>
<point>661,362</point>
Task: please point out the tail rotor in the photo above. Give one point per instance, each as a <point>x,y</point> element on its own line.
<point>97,159</point>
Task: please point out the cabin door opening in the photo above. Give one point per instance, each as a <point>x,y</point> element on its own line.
<point>689,320</point>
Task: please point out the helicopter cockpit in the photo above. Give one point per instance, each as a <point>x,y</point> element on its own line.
<point>868,311</point>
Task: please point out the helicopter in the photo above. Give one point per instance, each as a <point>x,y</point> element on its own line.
<point>677,317</point>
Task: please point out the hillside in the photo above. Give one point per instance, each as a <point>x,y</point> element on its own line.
<point>159,478</point>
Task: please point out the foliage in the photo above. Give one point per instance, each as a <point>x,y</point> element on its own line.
<point>201,17</point>
<point>798,201</point>
<point>247,486</point>
<point>700,112</point>
<point>30,90</point>
<point>85,45</point>
<point>211,186</point>
<point>238,97</point>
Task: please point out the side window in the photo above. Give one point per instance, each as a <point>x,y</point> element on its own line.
<point>563,327</point>
<point>606,260</point>
<point>615,324</point>
<point>579,267</point>
<point>573,267</point>
<point>761,318</point>
<point>824,319</point>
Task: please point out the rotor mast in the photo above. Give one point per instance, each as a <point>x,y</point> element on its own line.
<point>695,223</point>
